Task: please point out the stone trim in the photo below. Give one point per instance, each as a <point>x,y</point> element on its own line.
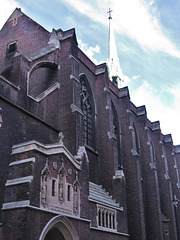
<point>129,111</point>
<point>18,204</point>
<point>124,93</point>
<point>22,161</point>
<point>106,205</point>
<point>48,149</point>
<point>108,230</point>
<point>47,92</point>
<point>131,128</point>
<point>167,177</point>
<point>76,109</point>
<point>134,152</point>
<point>74,78</point>
<point>108,108</point>
<point>152,166</point>
<point>8,82</point>
<point>111,135</point>
<point>177,149</point>
<point>100,70</point>
<point>106,90</point>
<point>119,174</point>
<point>71,56</point>
<point>21,180</point>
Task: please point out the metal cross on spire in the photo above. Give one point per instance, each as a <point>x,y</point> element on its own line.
<point>109,12</point>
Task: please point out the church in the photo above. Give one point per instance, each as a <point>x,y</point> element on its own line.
<point>78,160</point>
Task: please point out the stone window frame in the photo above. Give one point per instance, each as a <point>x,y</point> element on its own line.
<point>88,109</point>
<point>116,132</point>
<point>152,154</point>
<point>135,140</point>
<point>53,187</point>
<point>176,170</point>
<point>13,47</point>
<point>106,218</point>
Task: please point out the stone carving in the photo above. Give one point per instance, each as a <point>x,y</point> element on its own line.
<point>76,195</point>
<point>76,199</point>
<point>44,190</point>
<point>61,186</point>
<point>61,137</point>
<point>55,165</point>
<point>85,96</point>
<point>45,175</point>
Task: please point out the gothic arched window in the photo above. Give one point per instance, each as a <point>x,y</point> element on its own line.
<point>152,155</point>
<point>88,111</point>
<point>116,132</point>
<point>136,140</point>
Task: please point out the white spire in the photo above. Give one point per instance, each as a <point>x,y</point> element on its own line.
<point>113,60</point>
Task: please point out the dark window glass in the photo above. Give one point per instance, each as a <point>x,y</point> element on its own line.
<point>53,187</point>
<point>11,49</point>
<point>88,114</point>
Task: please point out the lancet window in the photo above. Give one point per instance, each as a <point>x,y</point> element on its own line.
<point>88,112</point>
<point>152,154</point>
<point>177,172</point>
<point>116,132</point>
<point>135,140</point>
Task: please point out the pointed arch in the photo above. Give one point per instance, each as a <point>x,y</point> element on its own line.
<point>88,109</point>
<point>63,225</point>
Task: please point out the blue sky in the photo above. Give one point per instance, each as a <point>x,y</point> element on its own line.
<point>147,35</point>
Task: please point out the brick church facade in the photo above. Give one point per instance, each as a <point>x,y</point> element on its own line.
<point>78,159</point>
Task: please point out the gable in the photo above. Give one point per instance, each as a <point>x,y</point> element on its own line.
<point>28,34</point>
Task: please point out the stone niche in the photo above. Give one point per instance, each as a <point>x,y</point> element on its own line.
<point>60,193</point>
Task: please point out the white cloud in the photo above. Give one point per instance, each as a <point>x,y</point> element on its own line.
<point>7,7</point>
<point>169,116</point>
<point>151,2</point>
<point>89,51</point>
<point>134,18</point>
<point>136,77</point>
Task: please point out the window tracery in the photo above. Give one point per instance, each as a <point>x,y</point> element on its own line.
<point>88,111</point>
<point>116,132</point>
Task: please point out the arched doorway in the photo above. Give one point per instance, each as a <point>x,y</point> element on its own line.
<point>54,234</point>
<point>59,228</point>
